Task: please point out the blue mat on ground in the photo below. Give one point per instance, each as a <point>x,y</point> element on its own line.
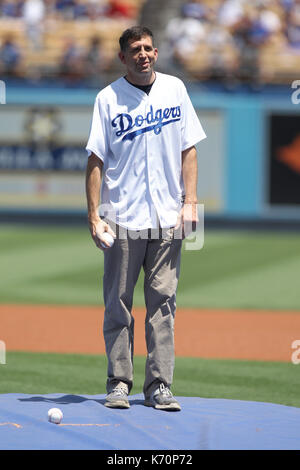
<point>203,423</point>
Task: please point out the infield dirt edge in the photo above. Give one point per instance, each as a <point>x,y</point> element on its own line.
<point>206,333</point>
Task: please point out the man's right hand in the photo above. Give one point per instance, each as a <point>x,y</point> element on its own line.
<point>97,227</point>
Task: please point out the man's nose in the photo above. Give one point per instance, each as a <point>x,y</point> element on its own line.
<point>142,52</point>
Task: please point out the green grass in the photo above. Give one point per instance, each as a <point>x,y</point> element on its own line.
<point>233,270</point>
<point>52,265</point>
<point>43,373</point>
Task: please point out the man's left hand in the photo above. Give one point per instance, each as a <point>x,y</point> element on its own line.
<point>187,219</point>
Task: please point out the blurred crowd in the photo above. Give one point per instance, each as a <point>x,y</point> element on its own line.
<point>67,9</point>
<point>240,39</point>
<point>37,17</point>
<point>254,41</point>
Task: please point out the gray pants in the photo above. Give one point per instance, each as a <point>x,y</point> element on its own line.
<point>159,255</point>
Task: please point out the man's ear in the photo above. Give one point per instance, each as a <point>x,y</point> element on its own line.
<point>121,57</point>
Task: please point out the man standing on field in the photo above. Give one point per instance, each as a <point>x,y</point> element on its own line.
<point>143,161</point>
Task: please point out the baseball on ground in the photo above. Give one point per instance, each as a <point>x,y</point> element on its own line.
<point>55,415</point>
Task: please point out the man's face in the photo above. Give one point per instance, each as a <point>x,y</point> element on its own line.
<point>139,58</point>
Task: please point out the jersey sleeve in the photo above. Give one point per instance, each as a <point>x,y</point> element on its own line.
<point>97,141</point>
<point>191,129</point>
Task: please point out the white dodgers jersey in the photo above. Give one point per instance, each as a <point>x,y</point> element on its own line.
<point>140,139</point>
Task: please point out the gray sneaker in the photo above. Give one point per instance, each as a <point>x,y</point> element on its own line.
<point>117,398</point>
<point>162,399</point>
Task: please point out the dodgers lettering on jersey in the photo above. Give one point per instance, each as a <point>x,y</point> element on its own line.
<point>140,139</point>
<point>155,119</point>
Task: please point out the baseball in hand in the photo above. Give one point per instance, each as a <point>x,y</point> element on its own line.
<point>108,238</point>
<point>55,415</point>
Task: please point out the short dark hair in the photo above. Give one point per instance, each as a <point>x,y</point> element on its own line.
<point>135,33</point>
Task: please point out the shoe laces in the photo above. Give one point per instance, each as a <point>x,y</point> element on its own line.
<point>165,391</point>
<point>119,391</point>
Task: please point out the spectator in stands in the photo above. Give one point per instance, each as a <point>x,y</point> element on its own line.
<point>50,10</point>
<point>223,52</point>
<point>71,67</point>
<point>286,5</point>
<point>11,8</point>
<point>248,34</point>
<point>10,58</point>
<point>264,25</point>
<point>184,33</point>
<point>95,61</point>
<point>120,8</point>
<point>230,13</point>
<point>194,9</point>
<point>80,9</point>
<point>293,27</point>
<point>33,16</point>
<point>66,8</point>
<point>97,8</point>
<point>245,28</point>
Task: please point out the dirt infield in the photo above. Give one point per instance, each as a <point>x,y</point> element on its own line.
<point>206,333</point>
